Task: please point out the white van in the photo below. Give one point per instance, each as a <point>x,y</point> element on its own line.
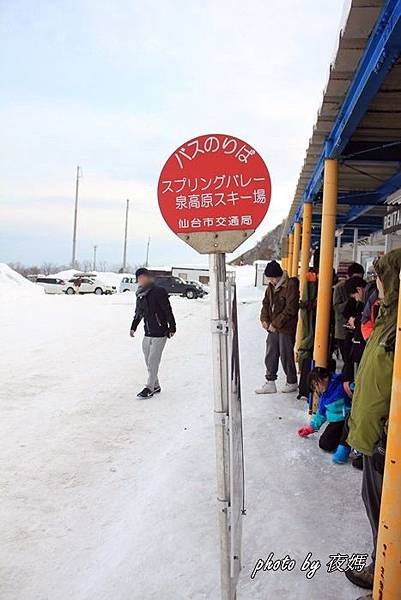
<point>51,285</point>
<point>128,284</point>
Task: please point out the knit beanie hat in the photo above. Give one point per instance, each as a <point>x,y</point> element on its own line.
<point>273,269</point>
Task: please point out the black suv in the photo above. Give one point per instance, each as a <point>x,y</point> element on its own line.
<point>175,285</point>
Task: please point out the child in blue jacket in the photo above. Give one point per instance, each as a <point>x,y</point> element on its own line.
<point>334,407</point>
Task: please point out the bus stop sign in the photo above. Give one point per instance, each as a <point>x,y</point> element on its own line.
<point>213,192</point>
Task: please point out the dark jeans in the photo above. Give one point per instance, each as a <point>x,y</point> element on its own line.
<point>334,434</point>
<point>305,366</point>
<point>280,346</point>
<point>348,369</point>
<point>372,483</point>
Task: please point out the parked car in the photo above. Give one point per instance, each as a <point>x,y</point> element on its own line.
<point>51,285</point>
<point>200,287</point>
<point>177,286</point>
<point>128,284</point>
<point>86,285</point>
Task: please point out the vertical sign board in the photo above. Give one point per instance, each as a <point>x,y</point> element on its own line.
<point>213,192</point>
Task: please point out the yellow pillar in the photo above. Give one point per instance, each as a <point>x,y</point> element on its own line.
<point>387,583</point>
<point>305,258</point>
<point>284,261</point>
<point>290,253</point>
<point>296,249</point>
<point>327,240</point>
<point>306,244</point>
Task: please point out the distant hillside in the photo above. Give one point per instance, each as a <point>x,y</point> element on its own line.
<point>266,249</point>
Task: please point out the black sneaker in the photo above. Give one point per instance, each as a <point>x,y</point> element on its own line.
<point>364,578</point>
<point>146,393</point>
<point>157,389</point>
<point>357,462</point>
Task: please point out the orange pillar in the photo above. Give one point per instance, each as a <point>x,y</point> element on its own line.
<point>290,252</point>
<point>296,249</point>
<point>327,240</point>
<point>305,258</point>
<point>387,583</point>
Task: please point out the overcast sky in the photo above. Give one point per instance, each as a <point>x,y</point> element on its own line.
<point>116,86</point>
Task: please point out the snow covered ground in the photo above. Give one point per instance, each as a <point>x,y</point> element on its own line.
<point>105,497</point>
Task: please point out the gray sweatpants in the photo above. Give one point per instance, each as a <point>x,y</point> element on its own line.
<point>153,349</point>
<point>280,346</point>
<point>372,483</point>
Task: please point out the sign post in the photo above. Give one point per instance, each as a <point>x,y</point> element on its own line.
<point>213,192</point>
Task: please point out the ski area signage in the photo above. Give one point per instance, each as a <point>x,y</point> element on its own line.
<point>392,221</point>
<point>214,191</point>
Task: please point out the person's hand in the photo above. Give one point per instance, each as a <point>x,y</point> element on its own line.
<point>171,334</point>
<point>351,323</point>
<point>265,325</point>
<point>132,333</point>
<point>305,431</point>
<point>272,329</point>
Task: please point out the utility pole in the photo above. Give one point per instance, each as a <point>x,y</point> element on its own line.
<point>74,237</point>
<point>147,253</point>
<point>125,237</point>
<point>94,257</point>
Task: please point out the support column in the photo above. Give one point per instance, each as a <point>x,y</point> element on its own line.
<point>388,552</point>
<point>355,248</point>
<point>338,250</point>
<point>306,243</point>
<point>327,239</point>
<point>305,258</point>
<point>290,253</point>
<point>296,249</point>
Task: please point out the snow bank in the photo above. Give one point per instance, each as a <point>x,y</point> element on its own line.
<point>14,285</point>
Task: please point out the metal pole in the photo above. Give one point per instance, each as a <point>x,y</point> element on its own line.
<point>386,243</point>
<point>296,249</point>
<point>94,257</point>
<point>387,582</point>
<point>74,235</point>
<point>327,238</point>
<point>147,253</point>
<point>220,342</point>
<point>337,255</point>
<point>355,248</point>
<point>125,237</point>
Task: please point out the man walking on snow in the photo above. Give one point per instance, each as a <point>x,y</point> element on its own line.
<point>153,306</point>
<point>279,316</point>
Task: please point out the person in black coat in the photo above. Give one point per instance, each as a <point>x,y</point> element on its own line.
<point>153,306</point>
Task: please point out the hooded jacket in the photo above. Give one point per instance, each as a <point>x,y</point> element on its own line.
<point>371,402</point>
<point>280,305</point>
<point>334,403</point>
<point>153,306</point>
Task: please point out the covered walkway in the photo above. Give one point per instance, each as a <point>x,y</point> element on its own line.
<point>350,176</point>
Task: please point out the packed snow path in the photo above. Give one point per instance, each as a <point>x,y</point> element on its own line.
<point>105,497</point>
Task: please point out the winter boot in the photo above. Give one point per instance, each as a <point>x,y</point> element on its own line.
<point>364,578</point>
<point>357,461</point>
<point>289,387</point>
<point>341,455</point>
<point>267,388</point>
<point>145,393</point>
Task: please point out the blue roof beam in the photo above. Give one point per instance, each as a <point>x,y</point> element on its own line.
<point>383,49</point>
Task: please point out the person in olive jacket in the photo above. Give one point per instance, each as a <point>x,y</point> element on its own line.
<point>371,402</point>
<point>279,317</point>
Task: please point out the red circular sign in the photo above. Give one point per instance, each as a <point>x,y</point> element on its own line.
<point>214,183</point>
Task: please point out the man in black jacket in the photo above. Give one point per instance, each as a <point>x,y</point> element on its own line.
<point>153,306</point>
